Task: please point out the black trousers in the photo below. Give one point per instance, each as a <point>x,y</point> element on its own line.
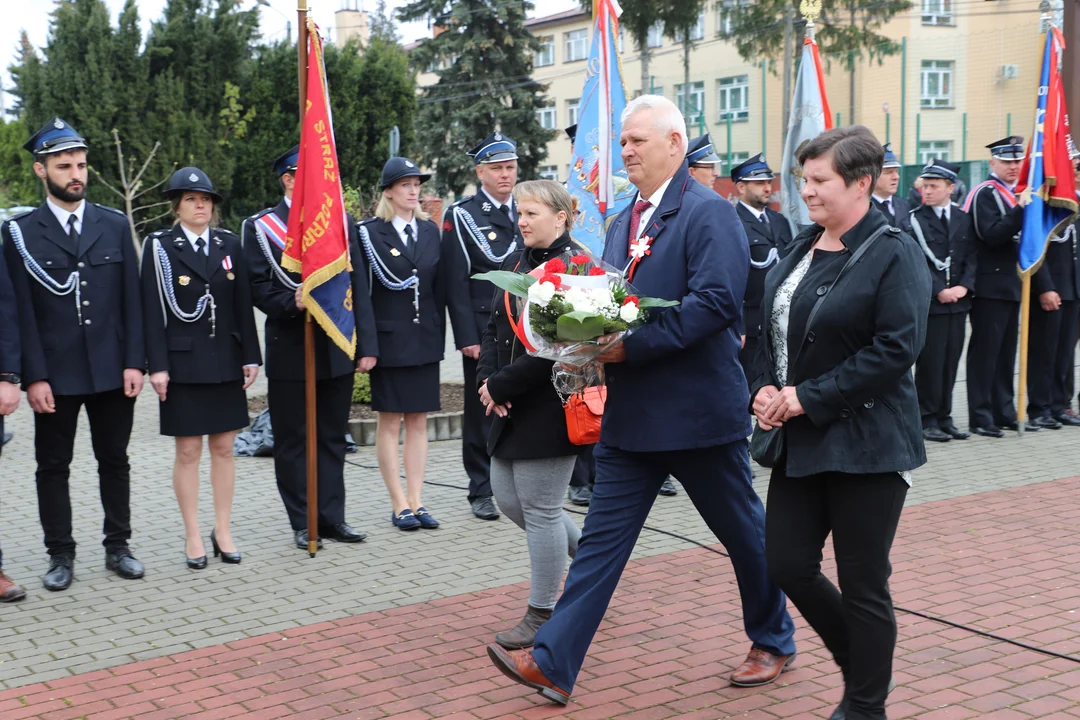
<point>935,370</point>
<point>475,426</point>
<point>111,416</point>
<point>333,396</point>
<point>856,621</point>
<point>990,361</point>
<point>584,468</point>
<point>1061,384</point>
<point>1043,341</point>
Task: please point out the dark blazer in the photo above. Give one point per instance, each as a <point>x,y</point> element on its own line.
<point>1062,267</point>
<point>536,424</point>
<point>996,246</point>
<point>853,373</point>
<point>404,342</point>
<point>469,301</point>
<point>681,385</point>
<point>763,240</point>
<point>284,332</point>
<point>956,246</point>
<point>88,358</point>
<point>898,218</point>
<point>187,350</point>
<point>10,348</point>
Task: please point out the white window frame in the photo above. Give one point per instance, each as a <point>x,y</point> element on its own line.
<point>545,56</point>
<point>725,88</point>
<point>549,172</point>
<point>698,31</point>
<point>939,72</point>
<point>576,44</point>
<point>929,149</point>
<point>572,107</point>
<point>725,10</point>
<point>548,117</point>
<point>937,12</point>
<point>697,91</point>
<point>655,37</point>
<point>736,159</point>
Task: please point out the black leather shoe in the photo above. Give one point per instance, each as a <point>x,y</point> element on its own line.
<point>989,431</point>
<point>124,564</point>
<point>484,508</point>
<point>580,495</point>
<point>840,713</point>
<point>198,563</point>
<point>60,574</point>
<point>230,558</point>
<point>934,434</point>
<point>1028,426</point>
<point>300,536</point>
<point>955,433</point>
<point>1067,419</point>
<point>1047,422</point>
<point>343,533</point>
<point>668,487</point>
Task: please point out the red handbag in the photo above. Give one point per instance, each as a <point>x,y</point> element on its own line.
<point>584,414</point>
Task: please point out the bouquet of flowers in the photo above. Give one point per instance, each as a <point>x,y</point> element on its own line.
<point>574,307</point>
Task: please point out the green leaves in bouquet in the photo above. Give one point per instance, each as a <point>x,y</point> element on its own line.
<point>647,302</point>
<point>514,283</point>
<point>579,326</point>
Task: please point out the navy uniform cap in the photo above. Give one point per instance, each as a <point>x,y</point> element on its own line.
<point>286,161</point>
<point>53,137</point>
<point>495,148</point>
<point>571,132</point>
<point>400,168</point>
<point>191,179</point>
<point>700,151</point>
<point>752,170</point>
<point>941,170</point>
<point>1009,148</point>
<point>891,161</point>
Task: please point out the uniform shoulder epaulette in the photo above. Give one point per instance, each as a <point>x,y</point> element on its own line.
<point>893,230</point>
<point>121,213</point>
<point>20,216</point>
<point>161,233</point>
<point>366,221</point>
<point>224,232</point>
<point>463,200</point>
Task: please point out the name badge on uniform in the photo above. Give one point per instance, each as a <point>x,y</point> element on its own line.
<point>227,264</point>
<point>395,252</point>
<point>183,280</point>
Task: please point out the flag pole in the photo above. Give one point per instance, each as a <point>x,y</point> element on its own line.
<point>1025,318</point>
<point>309,326</point>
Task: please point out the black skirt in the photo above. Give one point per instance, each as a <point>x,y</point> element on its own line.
<point>191,410</point>
<point>405,389</point>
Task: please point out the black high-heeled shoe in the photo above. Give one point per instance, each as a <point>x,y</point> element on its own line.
<point>232,558</point>
<point>198,563</point>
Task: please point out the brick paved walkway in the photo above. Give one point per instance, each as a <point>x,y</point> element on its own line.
<point>1003,561</point>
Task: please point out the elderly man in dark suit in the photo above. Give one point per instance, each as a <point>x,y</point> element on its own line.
<point>10,366</point>
<point>677,402</point>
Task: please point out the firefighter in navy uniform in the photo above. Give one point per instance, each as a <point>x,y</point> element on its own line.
<point>769,234</point>
<point>942,231</point>
<point>478,233</point>
<point>702,161</point>
<point>276,292</point>
<point>996,220</point>
<point>76,280</point>
<point>896,208</point>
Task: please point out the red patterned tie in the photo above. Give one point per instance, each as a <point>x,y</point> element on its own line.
<point>635,219</point>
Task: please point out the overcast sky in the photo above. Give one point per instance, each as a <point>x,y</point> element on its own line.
<point>33,16</point>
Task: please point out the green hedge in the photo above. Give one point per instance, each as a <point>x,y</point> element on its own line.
<point>361,388</point>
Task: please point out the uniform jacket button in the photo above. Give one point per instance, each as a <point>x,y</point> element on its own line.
<point>869,404</point>
<point>83,283</point>
<point>82,264</point>
<point>48,262</point>
<point>87,321</point>
<point>86,303</point>
<point>822,290</point>
<point>845,413</point>
<point>810,336</point>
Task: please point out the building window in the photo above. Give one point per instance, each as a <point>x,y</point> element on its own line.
<point>655,38</point>
<point>937,83</point>
<point>733,97</point>
<point>937,12</point>
<point>693,107</point>
<point>546,54</point>
<point>698,31</point>
<point>572,111</point>
<point>548,117</point>
<point>724,168</point>
<point>726,12</point>
<point>577,45</point>
<point>549,172</point>
<point>930,149</point>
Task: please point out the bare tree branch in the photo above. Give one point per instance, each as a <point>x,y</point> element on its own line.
<point>151,188</point>
<point>105,182</point>
<point>149,157</point>
<point>152,205</point>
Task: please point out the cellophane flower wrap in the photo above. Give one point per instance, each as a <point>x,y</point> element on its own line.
<point>574,307</point>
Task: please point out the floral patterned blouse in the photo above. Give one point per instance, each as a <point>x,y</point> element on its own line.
<point>781,313</point>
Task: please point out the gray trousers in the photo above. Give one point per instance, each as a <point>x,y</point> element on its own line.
<point>531,493</point>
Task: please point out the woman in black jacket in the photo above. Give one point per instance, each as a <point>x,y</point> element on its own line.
<point>845,316</point>
<point>203,350</point>
<point>532,458</point>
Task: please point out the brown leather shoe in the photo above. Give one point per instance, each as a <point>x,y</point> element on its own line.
<point>760,668</point>
<point>9,591</point>
<point>521,668</point>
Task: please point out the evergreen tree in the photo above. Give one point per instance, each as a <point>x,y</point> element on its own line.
<point>485,82</point>
<point>18,184</point>
<point>383,25</point>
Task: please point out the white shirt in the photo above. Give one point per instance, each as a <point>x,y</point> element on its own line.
<point>943,210</point>
<point>654,202</point>
<point>62,215</point>
<point>288,202</point>
<point>497,204</point>
<point>887,202</point>
<point>399,224</point>
<point>757,213</point>
<point>192,237</point>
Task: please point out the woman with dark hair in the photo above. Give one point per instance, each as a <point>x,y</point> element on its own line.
<point>845,316</point>
<point>203,350</point>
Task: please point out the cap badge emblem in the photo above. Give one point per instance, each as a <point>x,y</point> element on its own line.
<point>193,177</point>
<point>409,164</point>
<point>183,280</point>
<point>498,137</point>
<point>58,124</point>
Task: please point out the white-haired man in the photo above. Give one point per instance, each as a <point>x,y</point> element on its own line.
<point>677,402</point>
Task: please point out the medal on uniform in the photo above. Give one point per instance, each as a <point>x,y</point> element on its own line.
<point>492,236</point>
<point>183,280</point>
<point>227,264</point>
<point>395,252</point>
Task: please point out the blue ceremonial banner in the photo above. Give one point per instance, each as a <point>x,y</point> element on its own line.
<point>1046,188</point>
<point>597,176</point>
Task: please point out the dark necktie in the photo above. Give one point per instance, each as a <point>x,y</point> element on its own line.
<point>72,234</point>
<point>506,211</point>
<point>200,250</point>
<point>635,217</point>
<point>763,219</point>
<point>944,217</point>
<point>888,207</point>
<point>408,236</point>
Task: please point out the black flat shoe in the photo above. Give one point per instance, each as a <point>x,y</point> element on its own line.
<point>933,434</point>
<point>343,533</point>
<point>989,431</point>
<point>124,564</point>
<point>198,563</point>
<point>954,433</point>
<point>668,488</point>
<point>484,508</point>
<point>1047,422</point>
<point>1028,426</point>
<point>579,495</point>
<point>1067,419</point>
<point>300,537</point>
<point>230,558</point>
<point>60,574</point>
